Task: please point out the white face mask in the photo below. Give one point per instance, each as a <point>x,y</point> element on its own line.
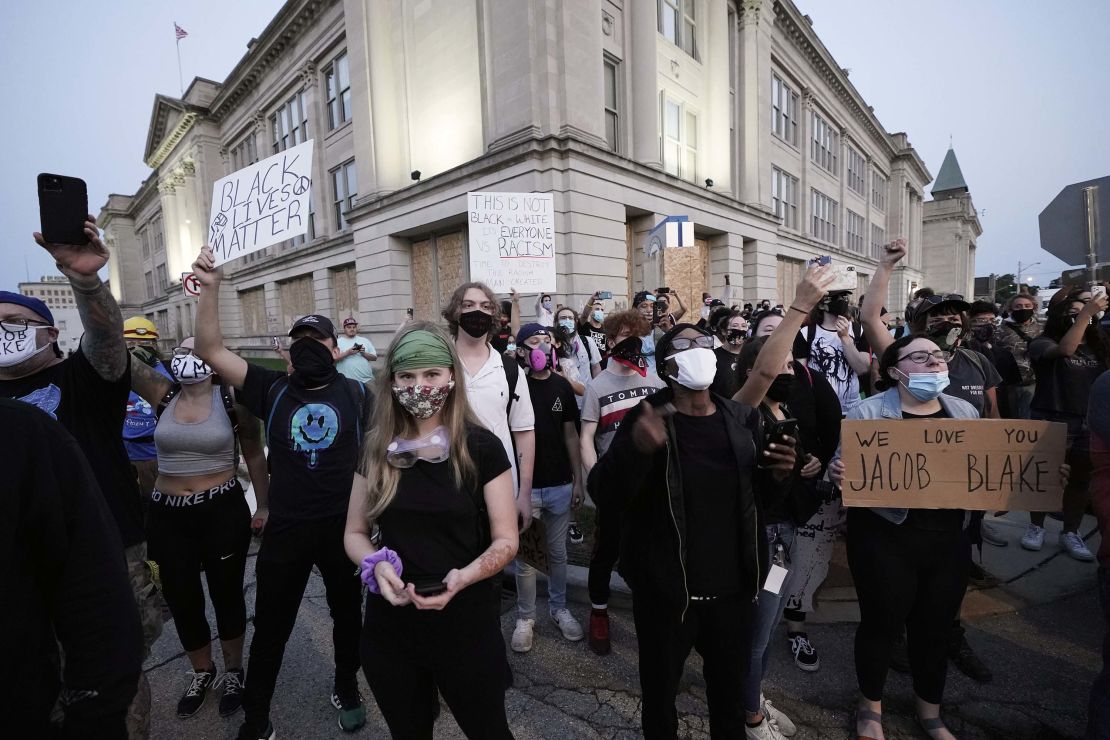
<point>17,347</point>
<point>696,368</point>
<point>190,369</point>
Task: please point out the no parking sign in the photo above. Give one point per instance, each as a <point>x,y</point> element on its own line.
<point>190,285</point>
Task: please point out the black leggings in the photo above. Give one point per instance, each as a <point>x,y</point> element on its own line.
<point>213,534</point>
<point>607,546</point>
<point>408,653</point>
<point>905,577</point>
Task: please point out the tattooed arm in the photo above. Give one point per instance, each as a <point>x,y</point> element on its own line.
<point>151,385</point>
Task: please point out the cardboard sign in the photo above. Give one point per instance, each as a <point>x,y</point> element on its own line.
<point>977,464</point>
<point>190,285</point>
<point>512,241</point>
<point>260,205</point>
<point>533,546</point>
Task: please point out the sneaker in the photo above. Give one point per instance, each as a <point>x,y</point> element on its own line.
<point>1033,539</point>
<point>575,534</point>
<point>246,733</point>
<point>965,659</point>
<point>352,714</point>
<point>778,720</point>
<point>1075,546</point>
<point>233,692</point>
<point>522,635</point>
<point>195,695</point>
<point>568,625</point>
<point>900,655</point>
<point>805,655</point>
<point>992,535</point>
<point>980,577</point>
<point>599,631</point>
<point>763,731</point>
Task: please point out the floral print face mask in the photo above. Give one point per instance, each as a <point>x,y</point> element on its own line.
<point>423,401</point>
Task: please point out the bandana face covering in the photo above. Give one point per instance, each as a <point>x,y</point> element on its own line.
<point>946,335</point>
<point>423,401</point>
<point>433,447</point>
<point>313,364</point>
<point>630,353</point>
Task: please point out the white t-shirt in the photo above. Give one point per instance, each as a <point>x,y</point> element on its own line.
<point>488,394</point>
<point>356,367</point>
<point>826,354</point>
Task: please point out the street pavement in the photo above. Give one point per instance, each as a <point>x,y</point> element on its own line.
<point>1040,631</point>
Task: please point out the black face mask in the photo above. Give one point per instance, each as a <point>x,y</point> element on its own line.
<point>838,307</point>
<point>780,388</point>
<point>313,364</point>
<point>476,323</point>
<point>735,336</point>
<point>943,335</point>
<point>983,333</point>
<point>1021,315</point>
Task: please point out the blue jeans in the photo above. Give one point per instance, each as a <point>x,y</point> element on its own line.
<point>553,506</point>
<point>765,615</point>
<point>1098,711</point>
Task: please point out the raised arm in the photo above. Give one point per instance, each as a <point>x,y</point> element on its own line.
<point>145,382</point>
<point>681,307</point>
<point>873,329</point>
<point>514,320</point>
<point>1069,343</point>
<point>102,342</point>
<point>768,363</point>
<point>210,338</point>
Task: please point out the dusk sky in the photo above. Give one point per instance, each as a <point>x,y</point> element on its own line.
<point>1019,86</point>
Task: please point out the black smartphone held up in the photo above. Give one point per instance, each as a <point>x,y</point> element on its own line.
<point>429,587</point>
<point>63,209</point>
<point>662,291</point>
<point>782,429</point>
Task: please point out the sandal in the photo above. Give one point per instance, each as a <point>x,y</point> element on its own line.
<point>867,715</point>
<point>932,724</point>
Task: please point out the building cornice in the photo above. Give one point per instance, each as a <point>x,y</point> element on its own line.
<point>171,140</point>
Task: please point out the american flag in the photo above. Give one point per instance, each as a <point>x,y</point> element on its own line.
<point>179,31</point>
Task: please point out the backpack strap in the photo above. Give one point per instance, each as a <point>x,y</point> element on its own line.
<point>1020,333</point>
<point>358,403</point>
<point>172,393</point>
<point>273,396</point>
<point>512,375</point>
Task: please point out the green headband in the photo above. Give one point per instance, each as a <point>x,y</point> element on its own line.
<point>420,349</point>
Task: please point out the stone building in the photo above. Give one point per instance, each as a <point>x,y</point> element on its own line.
<point>731,113</point>
<point>950,226</point>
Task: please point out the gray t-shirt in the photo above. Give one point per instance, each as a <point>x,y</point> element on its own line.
<point>609,397</point>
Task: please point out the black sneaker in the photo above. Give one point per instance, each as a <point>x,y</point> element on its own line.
<point>965,659</point>
<point>195,695</point>
<point>232,698</point>
<point>805,655</point>
<point>352,714</point>
<point>248,733</point>
<point>575,534</point>
<point>899,655</point>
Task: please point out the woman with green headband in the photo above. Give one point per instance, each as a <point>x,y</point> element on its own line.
<point>435,490</point>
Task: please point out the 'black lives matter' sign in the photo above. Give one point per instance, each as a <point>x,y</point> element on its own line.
<point>976,464</point>
<point>262,204</point>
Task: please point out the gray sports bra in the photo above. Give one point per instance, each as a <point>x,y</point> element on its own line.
<point>195,449</point>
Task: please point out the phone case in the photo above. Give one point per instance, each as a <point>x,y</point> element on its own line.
<point>63,208</point>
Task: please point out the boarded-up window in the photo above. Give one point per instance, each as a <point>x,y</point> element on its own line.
<point>252,303</point>
<point>790,273</point>
<point>686,270</point>
<point>297,299</point>
<point>344,287</point>
<point>439,265</point>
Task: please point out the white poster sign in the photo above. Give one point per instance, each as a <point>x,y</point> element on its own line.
<point>262,204</point>
<point>512,241</point>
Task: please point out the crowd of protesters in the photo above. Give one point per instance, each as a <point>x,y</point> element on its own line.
<point>710,452</point>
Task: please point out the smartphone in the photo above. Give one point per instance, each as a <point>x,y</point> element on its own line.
<point>1098,291</point>
<point>63,209</point>
<point>429,587</point>
<point>357,347</point>
<point>410,312</point>
<point>663,290</point>
<point>844,276</point>
<point>605,295</point>
<point>782,429</point>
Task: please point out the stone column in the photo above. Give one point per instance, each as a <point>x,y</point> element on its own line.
<point>167,189</point>
<point>644,108</point>
<point>715,160</point>
<point>753,135</point>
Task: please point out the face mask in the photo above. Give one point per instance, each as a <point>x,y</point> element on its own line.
<point>190,369</point>
<point>696,368</point>
<point>946,335</point>
<point>1021,315</point>
<point>145,355</point>
<point>423,401</point>
<point>983,333</point>
<point>598,315</point>
<point>476,323</point>
<point>780,387</point>
<point>510,347</point>
<point>926,386</point>
<point>567,324</point>
<point>539,358</point>
<point>735,336</point>
<point>839,306</point>
<point>313,364</point>
<point>547,304</point>
<point>630,353</point>
<point>433,447</point>
<point>18,346</point>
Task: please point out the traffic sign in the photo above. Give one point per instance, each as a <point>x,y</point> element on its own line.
<point>190,285</point>
<point>1064,223</point>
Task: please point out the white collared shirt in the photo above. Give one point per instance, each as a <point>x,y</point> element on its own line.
<point>488,393</point>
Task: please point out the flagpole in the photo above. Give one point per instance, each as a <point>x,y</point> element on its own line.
<point>180,77</point>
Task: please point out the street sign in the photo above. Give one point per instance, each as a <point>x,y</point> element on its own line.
<point>1064,223</point>
<point>190,285</point>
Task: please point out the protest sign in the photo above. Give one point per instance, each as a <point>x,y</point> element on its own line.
<point>512,241</point>
<point>978,464</point>
<point>262,204</point>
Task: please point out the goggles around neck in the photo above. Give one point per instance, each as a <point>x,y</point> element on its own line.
<point>434,447</point>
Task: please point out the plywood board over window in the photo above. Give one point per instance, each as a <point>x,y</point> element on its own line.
<point>253,305</point>
<point>440,263</point>
<point>344,288</point>
<point>297,299</point>
<point>790,273</point>
<point>686,270</point>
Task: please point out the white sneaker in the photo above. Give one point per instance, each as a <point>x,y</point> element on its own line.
<point>1075,546</point>
<point>522,635</point>
<point>763,731</point>
<point>568,625</point>
<point>1033,539</point>
<point>778,720</point>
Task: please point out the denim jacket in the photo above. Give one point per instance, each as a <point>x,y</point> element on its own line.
<point>888,405</point>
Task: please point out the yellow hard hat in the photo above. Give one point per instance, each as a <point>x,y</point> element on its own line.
<point>139,327</point>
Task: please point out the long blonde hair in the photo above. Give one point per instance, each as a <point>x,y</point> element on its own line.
<point>391,420</point>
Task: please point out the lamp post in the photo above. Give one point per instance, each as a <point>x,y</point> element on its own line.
<point>1020,268</point>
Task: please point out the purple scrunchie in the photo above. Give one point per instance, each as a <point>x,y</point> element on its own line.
<point>371,560</point>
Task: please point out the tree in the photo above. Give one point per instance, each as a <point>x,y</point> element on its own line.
<point>1004,287</point>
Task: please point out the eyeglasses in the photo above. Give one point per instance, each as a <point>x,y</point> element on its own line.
<point>921,357</point>
<point>18,325</point>
<point>182,351</point>
<point>682,343</point>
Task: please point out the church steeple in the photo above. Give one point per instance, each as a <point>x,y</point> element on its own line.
<point>950,182</point>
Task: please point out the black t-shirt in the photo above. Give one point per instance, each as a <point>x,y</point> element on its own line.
<point>710,489</point>
<point>587,330</point>
<point>314,439</point>
<point>937,520</point>
<point>970,375</point>
<point>92,410</point>
<point>727,380</point>
<point>434,525</point>
<point>554,404</point>
<point>1063,383</point>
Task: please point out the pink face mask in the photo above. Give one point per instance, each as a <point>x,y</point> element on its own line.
<point>539,360</point>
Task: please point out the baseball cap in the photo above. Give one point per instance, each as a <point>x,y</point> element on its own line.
<point>27,301</point>
<point>531,330</point>
<point>350,320</point>
<point>955,300</point>
<point>321,324</point>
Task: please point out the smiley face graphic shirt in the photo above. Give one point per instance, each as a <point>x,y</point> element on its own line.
<point>314,439</point>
